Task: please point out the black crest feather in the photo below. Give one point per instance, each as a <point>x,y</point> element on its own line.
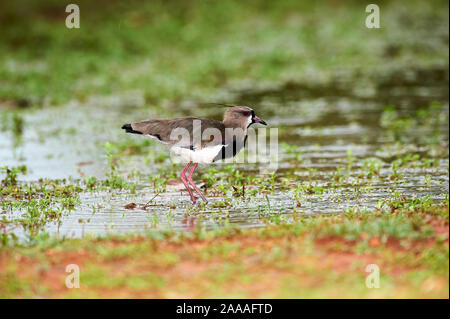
<point>221,104</point>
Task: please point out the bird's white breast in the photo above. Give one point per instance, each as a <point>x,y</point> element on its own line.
<point>203,156</point>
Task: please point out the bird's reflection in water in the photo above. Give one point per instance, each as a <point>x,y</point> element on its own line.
<point>189,222</point>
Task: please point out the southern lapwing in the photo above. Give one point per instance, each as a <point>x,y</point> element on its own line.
<point>200,140</point>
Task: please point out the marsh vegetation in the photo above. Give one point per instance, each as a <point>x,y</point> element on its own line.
<point>363,163</point>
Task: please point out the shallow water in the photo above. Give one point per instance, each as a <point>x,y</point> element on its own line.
<point>323,125</point>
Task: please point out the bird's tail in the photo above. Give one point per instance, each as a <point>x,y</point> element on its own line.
<point>129,129</point>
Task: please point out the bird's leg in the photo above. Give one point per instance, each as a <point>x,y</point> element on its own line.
<point>183,179</point>
<point>189,178</point>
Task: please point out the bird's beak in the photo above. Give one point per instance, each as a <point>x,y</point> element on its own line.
<point>256,119</point>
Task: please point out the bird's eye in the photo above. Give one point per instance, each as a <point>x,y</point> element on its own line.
<point>246,113</point>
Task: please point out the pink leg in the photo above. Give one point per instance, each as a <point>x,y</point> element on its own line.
<point>189,178</point>
<point>183,179</point>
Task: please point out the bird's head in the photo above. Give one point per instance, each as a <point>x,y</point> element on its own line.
<point>241,116</point>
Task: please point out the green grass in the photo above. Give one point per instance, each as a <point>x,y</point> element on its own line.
<point>313,257</point>
<point>168,50</point>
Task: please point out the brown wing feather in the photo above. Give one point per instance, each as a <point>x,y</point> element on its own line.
<point>166,131</point>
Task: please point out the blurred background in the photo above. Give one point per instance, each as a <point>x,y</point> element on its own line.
<point>175,50</point>
<point>335,89</point>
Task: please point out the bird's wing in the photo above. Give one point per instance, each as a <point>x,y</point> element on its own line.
<point>189,132</point>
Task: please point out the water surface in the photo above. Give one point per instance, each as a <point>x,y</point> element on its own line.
<point>323,131</point>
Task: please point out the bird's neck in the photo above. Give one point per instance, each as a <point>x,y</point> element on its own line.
<point>238,132</point>
<point>234,125</point>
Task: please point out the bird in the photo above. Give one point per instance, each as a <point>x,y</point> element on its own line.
<point>200,140</point>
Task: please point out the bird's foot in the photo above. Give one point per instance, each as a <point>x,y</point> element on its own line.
<point>194,200</point>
